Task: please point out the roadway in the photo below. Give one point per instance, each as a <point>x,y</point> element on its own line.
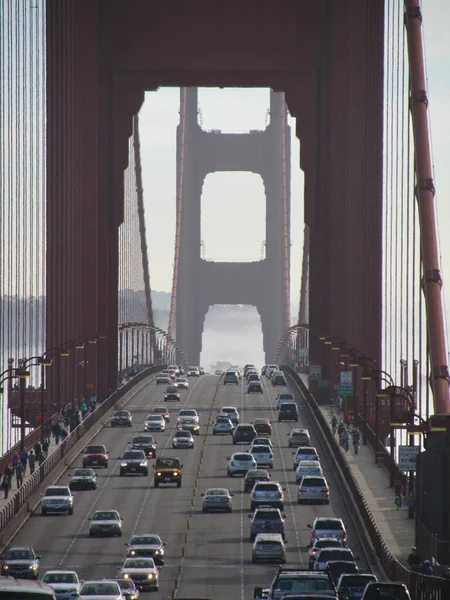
<point>207,555</point>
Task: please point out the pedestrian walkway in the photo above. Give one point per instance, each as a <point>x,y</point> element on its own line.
<point>396,528</point>
<point>13,490</point>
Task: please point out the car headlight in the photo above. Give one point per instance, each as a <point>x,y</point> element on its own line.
<point>143,464</point>
<point>150,576</point>
<point>126,576</point>
<point>158,474</point>
<point>175,473</point>
<point>133,552</point>
<point>156,551</point>
<point>124,464</point>
<point>5,567</point>
<point>32,567</point>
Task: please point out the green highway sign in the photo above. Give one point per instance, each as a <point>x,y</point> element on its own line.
<point>346,389</point>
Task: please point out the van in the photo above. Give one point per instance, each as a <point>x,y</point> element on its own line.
<point>23,589</point>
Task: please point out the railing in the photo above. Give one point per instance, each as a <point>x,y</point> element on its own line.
<point>29,487</point>
<point>421,587</point>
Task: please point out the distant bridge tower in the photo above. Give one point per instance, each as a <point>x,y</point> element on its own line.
<point>198,283</point>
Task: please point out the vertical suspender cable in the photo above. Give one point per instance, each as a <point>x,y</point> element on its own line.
<point>285,200</point>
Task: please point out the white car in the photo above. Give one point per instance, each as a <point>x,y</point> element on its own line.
<point>189,413</point>
<point>193,372</point>
<point>155,423</point>
<point>261,441</point>
<point>268,493</point>
<point>142,571</point>
<point>263,455</point>
<point>308,467</point>
<point>223,425</point>
<point>57,499</point>
<point>182,439</point>
<point>239,463</point>
<point>231,412</point>
<point>181,383</point>
<point>105,522</point>
<point>64,583</point>
<point>100,590</point>
<point>299,437</point>
<point>304,453</point>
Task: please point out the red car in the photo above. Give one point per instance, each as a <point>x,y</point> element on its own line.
<point>162,410</point>
<point>262,426</point>
<point>96,456</point>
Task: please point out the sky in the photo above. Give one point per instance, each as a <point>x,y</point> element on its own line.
<point>234,202</point>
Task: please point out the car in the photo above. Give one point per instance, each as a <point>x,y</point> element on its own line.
<point>167,470</point>
<point>269,547</point>
<point>288,412</point>
<point>182,439</point>
<point>193,372</point>
<point>313,489</point>
<point>146,443</point>
<point>239,463</point>
<point>181,383</point>
<point>278,378</point>
<point>217,499</point>
<point>230,377</point>
<point>322,543</point>
<point>142,571</point>
<point>253,476</point>
<point>255,387</point>
<point>133,462</point>
<point>223,425</point>
<point>335,568</point>
<point>325,555</point>
<point>154,423</point>
<point>218,372</point>
<point>244,432</point>
<point>267,493</point>
<point>148,545</point>
<point>162,410</point>
<point>172,393</point>
<point>299,437</point>
<point>181,371</point>
<point>175,369</point>
<point>253,376</point>
<point>202,371</point>
<point>350,586</point>
<point>128,589</point>
<point>231,412</point>
<point>25,589</point>
<point>383,590</point>
<point>284,398</point>
<point>262,426</point>
<point>304,453</point>
<point>188,424</point>
<point>121,418</point>
<point>105,523</point>
<point>189,413</point>
<point>64,583</point>
<point>163,378</point>
<point>270,372</point>
<point>263,455</point>
<point>96,456</point>
<point>289,583</point>
<point>106,589</point>
<point>266,520</point>
<point>83,479</point>
<point>173,373</point>
<point>308,467</point>
<point>247,367</point>
<point>328,527</point>
<point>21,562</point>
<point>262,441</point>
<point>57,499</point>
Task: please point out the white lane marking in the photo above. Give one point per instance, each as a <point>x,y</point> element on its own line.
<point>242,543</point>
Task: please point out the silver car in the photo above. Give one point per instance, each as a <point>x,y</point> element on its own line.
<point>328,554</point>
<point>239,463</point>
<point>322,543</point>
<point>269,493</point>
<point>223,425</point>
<point>105,522</point>
<point>155,423</point>
<point>299,437</point>
<point>308,467</point>
<point>104,589</point>
<point>57,499</point>
<point>217,499</point>
<point>313,489</point>
<point>261,441</point>
<point>304,453</point>
<point>268,547</point>
<point>328,527</point>
<point>231,412</point>
<point>266,520</point>
<point>64,583</point>
<point>182,439</point>
<point>263,455</point>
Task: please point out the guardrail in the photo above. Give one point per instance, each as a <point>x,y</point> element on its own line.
<point>29,487</point>
<point>421,587</point>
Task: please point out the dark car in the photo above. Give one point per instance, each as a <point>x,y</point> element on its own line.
<point>147,545</point>
<point>288,412</point>
<point>266,520</point>
<point>352,586</point>
<point>262,426</point>
<point>255,387</point>
<point>244,433</point>
<point>295,582</point>
<point>83,479</point>
<point>145,443</point>
<point>386,591</point>
<point>121,418</point>
<point>133,462</point>
<point>336,568</point>
<point>278,379</point>
<point>172,393</point>
<point>230,377</point>
<point>21,562</point>
<point>96,456</point>
<point>253,476</point>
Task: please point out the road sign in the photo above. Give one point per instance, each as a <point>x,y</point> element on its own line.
<point>345,389</point>
<point>324,383</point>
<point>315,372</point>
<point>346,377</point>
<point>407,456</point>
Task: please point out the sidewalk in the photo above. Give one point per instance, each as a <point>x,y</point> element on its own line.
<point>13,489</point>
<point>397,530</point>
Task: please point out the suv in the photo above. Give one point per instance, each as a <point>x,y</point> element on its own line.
<point>329,527</point>
<point>133,462</point>
<point>22,562</point>
<point>269,546</point>
<point>244,433</point>
<point>278,378</point>
<point>283,398</point>
<point>381,589</point>
<point>146,443</point>
<point>288,412</point>
<point>269,493</point>
<point>167,470</point>
<point>57,499</point>
<point>266,520</point>
<point>231,377</point>
<point>96,456</point>
<point>299,581</point>
<point>299,437</point>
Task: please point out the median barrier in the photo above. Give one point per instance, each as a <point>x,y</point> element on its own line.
<point>421,587</point>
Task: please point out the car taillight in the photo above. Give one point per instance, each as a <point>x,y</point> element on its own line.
<point>324,490</point>
<point>344,534</point>
<point>270,455</point>
<point>303,490</point>
<point>313,534</point>
<point>313,551</point>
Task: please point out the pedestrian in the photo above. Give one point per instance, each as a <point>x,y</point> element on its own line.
<point>19,475</point>
<point>37,449</point>
<point>45,447</point>
<point>15,461</point>
<point>31,462</point>
<point>57,433</point>
<point>47,433</point>
<point>41,458</point>
<point>344,439</point>
<point>6,484</point>
<point>24,460</point>
<point>63,434</point>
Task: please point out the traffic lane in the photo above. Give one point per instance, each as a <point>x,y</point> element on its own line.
<point>69,533</point>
